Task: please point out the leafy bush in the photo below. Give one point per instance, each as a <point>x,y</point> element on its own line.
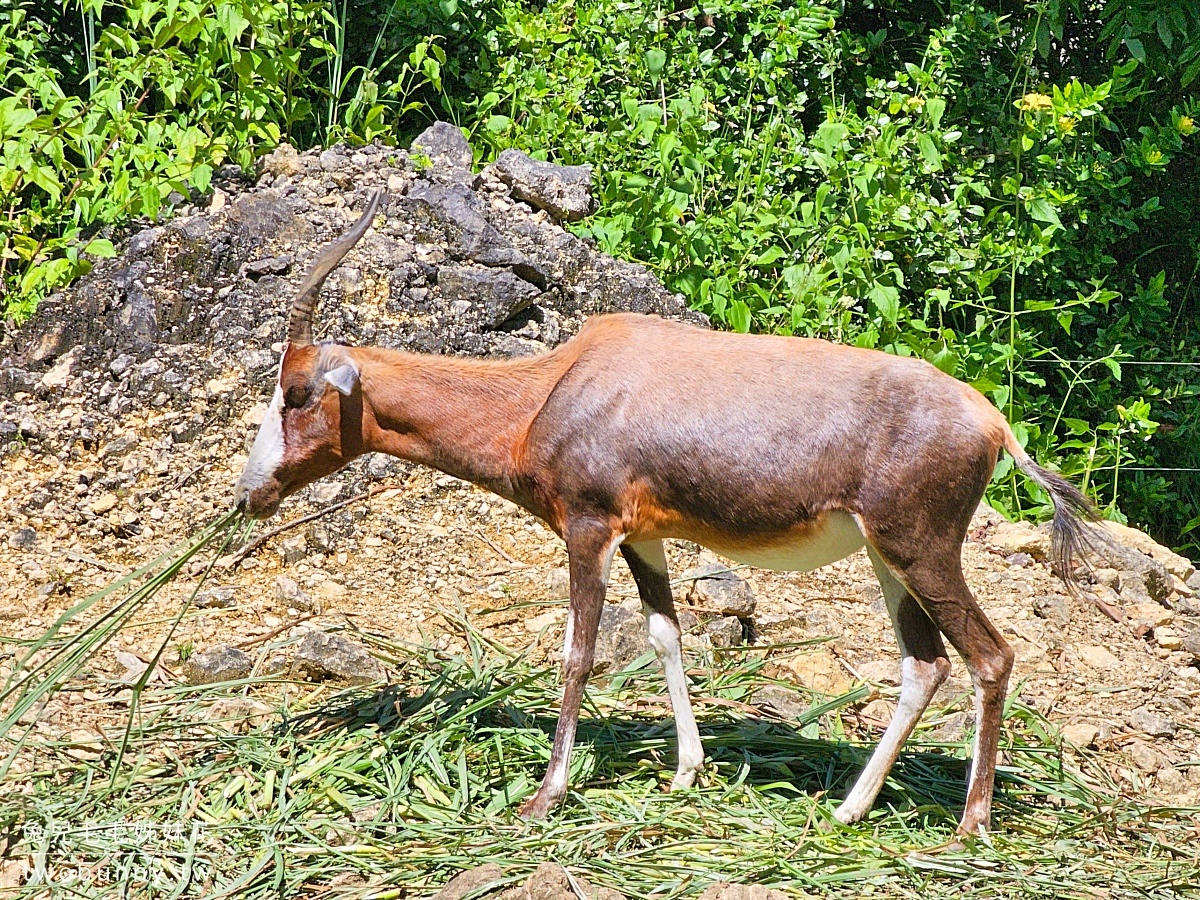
<point>1006,190</point>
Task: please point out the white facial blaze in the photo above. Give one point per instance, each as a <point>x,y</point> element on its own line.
<point>267,452</point>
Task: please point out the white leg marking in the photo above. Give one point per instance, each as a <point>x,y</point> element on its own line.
<point>919,681</point>
<point>665,639</point>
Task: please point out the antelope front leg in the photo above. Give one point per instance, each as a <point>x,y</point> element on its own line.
<point>591,550</point>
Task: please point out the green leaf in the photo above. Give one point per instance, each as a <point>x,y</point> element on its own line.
<point>929,150</point>
<point>497,124</point>
<point>739,316</point>
<point>655,60</point>
<point>768,256</point>
<point>231,21</point>
<point>1040,209</point>
<point>101,247</point>
<point>887,300</point>
<point>934,108</point>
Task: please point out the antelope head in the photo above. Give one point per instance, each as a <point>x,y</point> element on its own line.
<point>314,424</point>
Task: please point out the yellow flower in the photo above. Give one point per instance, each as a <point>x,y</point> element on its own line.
<point>1066,124</point>
<point>1034,102</point>
<point>1186,125</point>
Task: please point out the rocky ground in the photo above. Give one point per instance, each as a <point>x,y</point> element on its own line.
<point>128,403</point>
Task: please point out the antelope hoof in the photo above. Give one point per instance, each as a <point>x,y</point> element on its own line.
<point>537,807</point>
<point>684,779</point>
<point>849,813</point>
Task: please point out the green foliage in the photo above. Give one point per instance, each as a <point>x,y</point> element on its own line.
<point>923,183</point>
<point>1006,190</point>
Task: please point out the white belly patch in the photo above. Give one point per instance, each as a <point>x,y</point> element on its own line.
<point>836,538</point>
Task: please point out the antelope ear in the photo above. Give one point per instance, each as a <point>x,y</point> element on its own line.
<point>344,378</point>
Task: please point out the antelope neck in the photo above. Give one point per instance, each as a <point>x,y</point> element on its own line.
<point>468,418</point>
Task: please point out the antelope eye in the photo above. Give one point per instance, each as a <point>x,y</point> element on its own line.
<point>296,396</point>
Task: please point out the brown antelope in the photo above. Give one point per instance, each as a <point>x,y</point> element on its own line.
<point>781,452</point>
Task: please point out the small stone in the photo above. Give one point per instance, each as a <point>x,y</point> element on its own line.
<point>322,656</point>
<point>549,882</point>
<point>291,595</point>
<point>121,364</point>
<point>1053,609</point>
<point>120,446</point>
<point>1154,574</point>
<point>620,640</point>
<point>1168,638</point>
<point>1018,537</point>
<point>1018,559</point>
<point>724,890</point>
<point>1152,723</point>
<point>1098,658</point>
<point>1081,734</point>
<point>325,492</point>
<point>216,665</point>
<point>820,671</point>
<point>1193,582</point>
<point>283,160</point>
<point>784,703</point>
<point>1132,588</point>
<point>293,549</point>
<point>445,145</point>
<point>105,503</point>
<point>1145,757</point>
<point>470,881</point>
<point>724,632</point>
<point>22,538</point>
<point>985,516</point>
<point>60,376</point>
<point>558,583</point>
<point>219,597</point>
<point>1191,643</point>
<point>1149,614</point>
<point>717,591</point>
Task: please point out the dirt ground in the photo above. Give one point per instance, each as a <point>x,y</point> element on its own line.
<point>426,544</point>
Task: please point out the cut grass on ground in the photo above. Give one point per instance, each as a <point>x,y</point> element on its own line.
<point>388,792</point>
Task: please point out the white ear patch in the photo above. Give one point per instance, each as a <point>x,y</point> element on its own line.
<point>344,378</point>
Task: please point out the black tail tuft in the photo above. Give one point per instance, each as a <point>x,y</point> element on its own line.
<point>1070,536</point>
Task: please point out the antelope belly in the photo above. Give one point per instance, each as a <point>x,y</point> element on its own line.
<point>834,537</point>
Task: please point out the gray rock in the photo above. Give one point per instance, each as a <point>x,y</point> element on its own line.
<point>1053,609</point>
<point>1154,574</point>
<point>724,632</point>
<point>719,592</point>
<point>121,364</point>
<point>321,656</point>
<point>1132,588</point>
<point>493,296</point>
<point>621,639</point>
<point>780,701</point>
<point>272,265</point>
<point>219,597</point>
<point>470,881</point>
<point>293,549</point>
<point>22,538</point>
<point>291,595</point>
<point>563,191</point>
<point>1019,559</point>
<point>1194,582</point>
<point>1151,723</point>
<point>445,145</point>
<point>217,664</point>
<point>120,446</point>
<point>1191,643</point>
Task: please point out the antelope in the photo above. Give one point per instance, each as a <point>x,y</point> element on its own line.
<point>782,452</point>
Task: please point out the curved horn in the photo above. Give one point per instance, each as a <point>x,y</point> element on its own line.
<point>300,323</point>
